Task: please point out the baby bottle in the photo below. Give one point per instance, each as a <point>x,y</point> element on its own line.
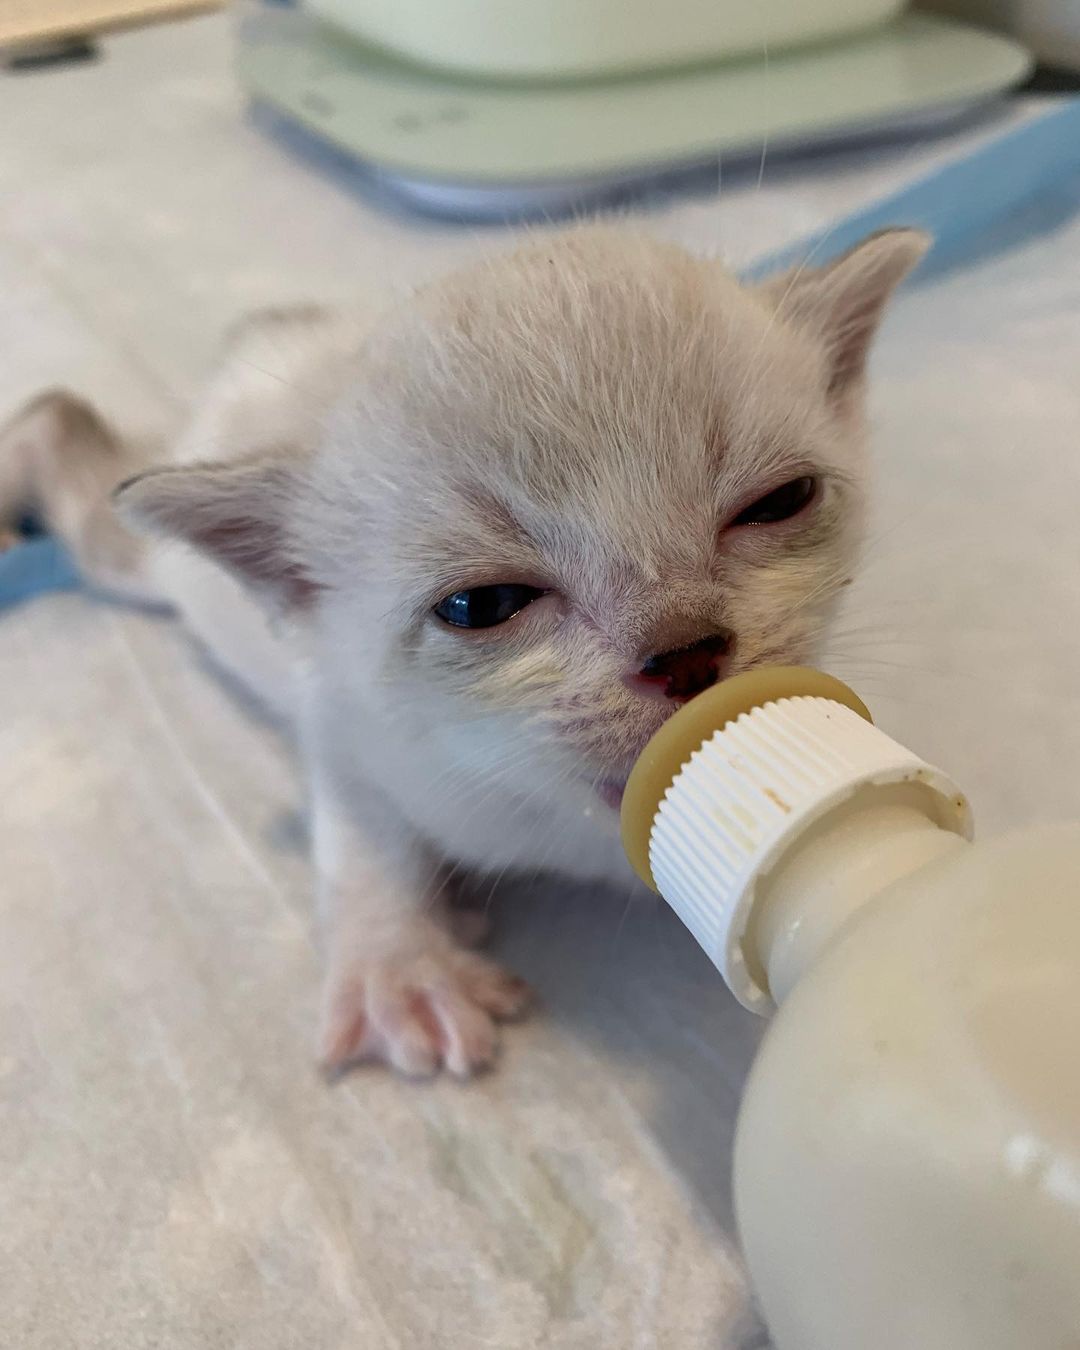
<point>907,1159</point>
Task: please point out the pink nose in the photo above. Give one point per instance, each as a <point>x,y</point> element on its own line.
<point>686,671</point>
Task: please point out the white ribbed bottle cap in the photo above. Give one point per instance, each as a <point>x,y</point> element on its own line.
<point>747,794</point>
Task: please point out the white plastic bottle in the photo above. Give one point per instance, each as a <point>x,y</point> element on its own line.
<point>907,1163</point>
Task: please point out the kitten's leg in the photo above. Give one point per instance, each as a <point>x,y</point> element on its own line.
<point>59,458</point>
<point>397,987</point>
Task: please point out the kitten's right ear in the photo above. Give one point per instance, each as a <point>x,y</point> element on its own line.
<point>235,513</point>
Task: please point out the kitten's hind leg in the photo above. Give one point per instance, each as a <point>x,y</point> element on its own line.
<point>60,460</point>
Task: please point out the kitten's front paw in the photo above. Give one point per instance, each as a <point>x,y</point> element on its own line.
<point>418,1006</point>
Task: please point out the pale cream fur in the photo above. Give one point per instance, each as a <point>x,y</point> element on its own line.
<point>586,415</point>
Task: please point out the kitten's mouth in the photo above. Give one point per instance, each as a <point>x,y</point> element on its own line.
<point>610,791</point>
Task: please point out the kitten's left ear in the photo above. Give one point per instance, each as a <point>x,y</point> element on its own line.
<point>842,303</point>
<point>234,512</point>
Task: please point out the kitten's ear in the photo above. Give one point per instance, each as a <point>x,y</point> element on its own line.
<point>234,512</point>
<point>842,303</point>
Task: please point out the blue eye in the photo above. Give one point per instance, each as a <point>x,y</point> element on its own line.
<point>781,504</point>
<point>485,606</point>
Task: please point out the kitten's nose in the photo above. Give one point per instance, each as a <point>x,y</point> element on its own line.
<point>686,671</point>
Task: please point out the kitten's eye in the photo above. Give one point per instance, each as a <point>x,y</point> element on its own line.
<point>781,504</point>
<point>485,606</point>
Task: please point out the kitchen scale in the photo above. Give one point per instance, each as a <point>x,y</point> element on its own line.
<point>506,140</point>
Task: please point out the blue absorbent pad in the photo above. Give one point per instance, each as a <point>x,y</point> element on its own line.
<point>1020,185</point>
<point>38,565</point>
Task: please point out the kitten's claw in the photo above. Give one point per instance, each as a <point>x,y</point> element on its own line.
<point>419,1011</point>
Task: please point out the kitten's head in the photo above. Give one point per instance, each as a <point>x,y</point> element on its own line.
<point>567,490</point>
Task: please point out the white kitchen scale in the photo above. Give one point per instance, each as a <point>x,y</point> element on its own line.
<point>470,143</point>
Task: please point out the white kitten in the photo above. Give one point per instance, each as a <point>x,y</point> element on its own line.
<point>476,549</point>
